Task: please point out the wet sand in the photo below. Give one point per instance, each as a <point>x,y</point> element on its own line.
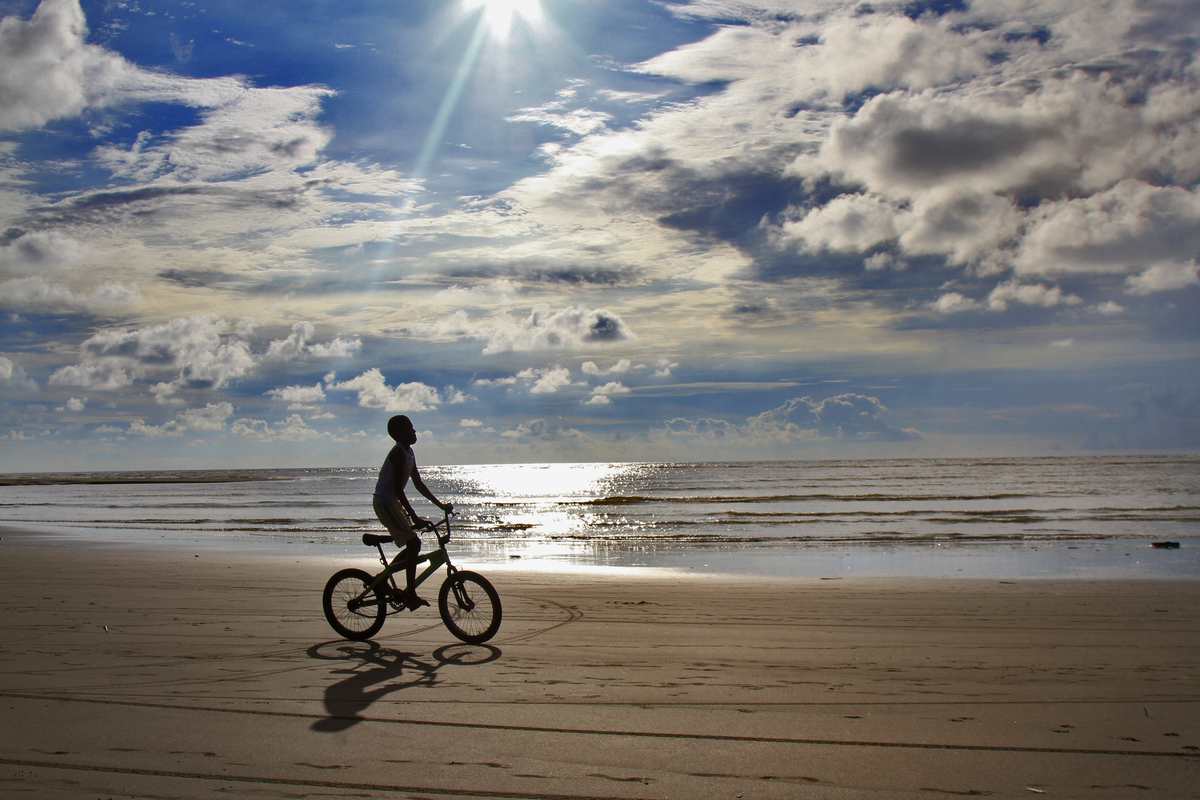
<point>128,672</point>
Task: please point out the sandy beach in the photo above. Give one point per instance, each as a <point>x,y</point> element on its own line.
<point>131,672</point>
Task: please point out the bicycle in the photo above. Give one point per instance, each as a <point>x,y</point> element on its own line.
<point>467,602</point>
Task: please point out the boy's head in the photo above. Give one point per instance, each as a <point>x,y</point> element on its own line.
<point>401,429</point>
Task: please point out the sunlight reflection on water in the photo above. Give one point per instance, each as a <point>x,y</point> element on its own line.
<point>547,481</point>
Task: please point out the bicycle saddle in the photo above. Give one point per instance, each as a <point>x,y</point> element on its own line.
<point>371,539</point>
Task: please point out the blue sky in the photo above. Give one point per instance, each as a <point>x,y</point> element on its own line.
<point>583,230</point>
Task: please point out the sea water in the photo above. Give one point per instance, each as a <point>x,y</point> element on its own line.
<point>904,516</point>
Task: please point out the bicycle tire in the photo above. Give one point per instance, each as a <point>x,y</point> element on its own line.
<point>478,618</point>
<point>358,624</point>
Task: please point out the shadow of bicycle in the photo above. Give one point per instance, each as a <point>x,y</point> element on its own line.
<point>373,671</point>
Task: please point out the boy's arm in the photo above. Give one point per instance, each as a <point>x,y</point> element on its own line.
<point>423,489</point>
<point>408,507</point>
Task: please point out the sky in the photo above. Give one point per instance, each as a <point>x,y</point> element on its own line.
<point>577,230</point>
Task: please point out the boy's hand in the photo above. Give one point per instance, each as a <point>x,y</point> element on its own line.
<point>448,507</point>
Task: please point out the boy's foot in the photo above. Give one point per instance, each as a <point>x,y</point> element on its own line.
<point>412,601</point>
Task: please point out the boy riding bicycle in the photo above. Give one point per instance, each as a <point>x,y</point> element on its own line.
<point>394,511</point>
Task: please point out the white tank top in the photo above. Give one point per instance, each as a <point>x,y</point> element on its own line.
<point>396,470</point>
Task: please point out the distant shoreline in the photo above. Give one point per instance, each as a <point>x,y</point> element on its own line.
<point>141,476</point>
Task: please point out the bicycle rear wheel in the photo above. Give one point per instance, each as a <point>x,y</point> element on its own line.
<point>470,607</point>
<point>350,619</point>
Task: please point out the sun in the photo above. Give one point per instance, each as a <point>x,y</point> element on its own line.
<point>499,15</point>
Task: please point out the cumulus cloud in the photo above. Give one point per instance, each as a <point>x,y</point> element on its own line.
<point>602,395</point>
<point>298,345</point>
<point>852,222</point>
<point>204,353</point>
<point>1126,229</point>
<point>76,404</point>
<point>373,392</point>
<point>13,374</point>
<point>102,374</point>
<point>542,430</point>
<point>1030,294</point>
<point>703,428</point>
<point>952,303</point>
<point>618,367</point>
<point>40,252</point>
<point>845,417</point>
<point>537,380</point>
<point>298,397</point>
<point>546,381</point>
<point>208,418</point>
<point>38,294</point>
<point>1164,278</point>
<point>291,429</point>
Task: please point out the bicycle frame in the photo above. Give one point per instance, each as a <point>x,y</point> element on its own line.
<point>435,558</point>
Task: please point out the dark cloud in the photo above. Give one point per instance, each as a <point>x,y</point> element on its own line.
<point>534,273</point>
<point>200,278</point>
<point>606,327</point>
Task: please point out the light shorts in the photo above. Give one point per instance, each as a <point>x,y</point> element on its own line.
<point>395,519</point>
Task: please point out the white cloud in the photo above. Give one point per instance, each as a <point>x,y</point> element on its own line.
<point>209,418</point>
<point>619,367</point>
<point>1110,309</point>
<point>602,395</point>
<point>545,431</point>
<point>76,404</point>
<point>1130,228</point>
<point>847,416</point>
<point>546,381</point>
<point>853,223</point>
<point>1164,278</point>
<point>12,374</point>
<point>100,374</point>
<point>38,294</point>
<point>1030,294</point>
<point>580,121</point>
<point>202,351</point>
<point>139,427</point>
<point>374,392</point>
<point>467,422</point>
<point>292,429</point>
<point>537,380</point>
<point>298,397</point>
<point>952,303</point>
<point>40,252</point>
<point>49,72</point>
<point>297,345</point>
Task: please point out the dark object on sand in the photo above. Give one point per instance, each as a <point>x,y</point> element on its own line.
<point>1165,545</point>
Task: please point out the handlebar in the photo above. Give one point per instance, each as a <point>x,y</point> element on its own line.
<point>434,526</point>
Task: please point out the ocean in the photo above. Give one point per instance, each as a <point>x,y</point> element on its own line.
<point>778,517</point>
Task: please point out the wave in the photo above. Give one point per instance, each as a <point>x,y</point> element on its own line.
<point>637,499</point>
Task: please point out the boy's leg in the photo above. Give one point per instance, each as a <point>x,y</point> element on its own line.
<point>395,519</point>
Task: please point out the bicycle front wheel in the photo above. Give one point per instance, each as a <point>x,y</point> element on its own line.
<point>470,607</point>
<point>350,616</point>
